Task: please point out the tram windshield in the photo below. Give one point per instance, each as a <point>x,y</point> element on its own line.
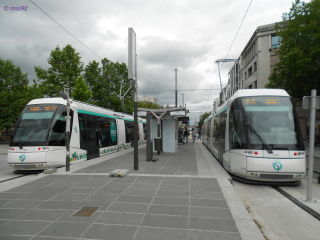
<point>273,120</point>
<point>35,122</point>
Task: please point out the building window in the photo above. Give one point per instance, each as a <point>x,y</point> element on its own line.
<point>255,66</point>
<point>275,42</point>
<point>249,72</point>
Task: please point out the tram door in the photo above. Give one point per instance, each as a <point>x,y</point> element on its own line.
<point>92,137</point>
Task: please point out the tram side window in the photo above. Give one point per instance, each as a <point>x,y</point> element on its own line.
<point>129,131</point>
<point>222,126</point>
<point>207,130</point>
<point>236,132</point>
<point>82,125</point>
<point>57,136</point>
<point>214,133</point>
<point>108,132</point>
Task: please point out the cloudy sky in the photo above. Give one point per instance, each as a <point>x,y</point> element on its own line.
<point>189,35</point>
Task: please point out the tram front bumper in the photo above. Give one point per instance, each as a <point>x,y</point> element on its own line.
<point>275,169</point>
<point>27,160</point>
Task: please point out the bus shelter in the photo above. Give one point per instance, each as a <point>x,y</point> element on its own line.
<point>161,129</point>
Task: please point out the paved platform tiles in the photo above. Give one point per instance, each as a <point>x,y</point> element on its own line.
<point>184,195</point>
<point>134,207</point>
<point>181,163</point>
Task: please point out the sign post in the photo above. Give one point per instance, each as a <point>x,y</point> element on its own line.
<point>311,103</point>
<point>132,76</point>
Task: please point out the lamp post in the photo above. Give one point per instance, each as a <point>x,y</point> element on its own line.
<point>224,60</point>
<point>132,77</point>
<point>65,96</point>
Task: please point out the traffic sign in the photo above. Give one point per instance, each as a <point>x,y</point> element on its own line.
<point>306,102</point>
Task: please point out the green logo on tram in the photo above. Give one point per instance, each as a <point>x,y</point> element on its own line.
<point>113,131</point>
<point>277,166</point>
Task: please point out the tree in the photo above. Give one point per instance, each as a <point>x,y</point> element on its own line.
<point>202,117</point>
<point>34,91</point>
<point>81,91</point>
<point>149,105</point>
<point>66,68</point>
<point>14,93</point>
<point>105,83</point>
<point>298,71</point>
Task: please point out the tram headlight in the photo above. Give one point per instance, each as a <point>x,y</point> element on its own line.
<point>255,174</point>
<point>297,175</point>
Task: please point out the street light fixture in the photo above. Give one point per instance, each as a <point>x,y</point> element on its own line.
<point>224,60</point>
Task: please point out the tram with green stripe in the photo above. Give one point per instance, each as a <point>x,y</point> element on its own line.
<point>256,136</point>
<point>39,138</point>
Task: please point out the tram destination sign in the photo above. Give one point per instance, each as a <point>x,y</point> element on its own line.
<point>43,108</point>
<point>306,102</point>
<point>268,101</point>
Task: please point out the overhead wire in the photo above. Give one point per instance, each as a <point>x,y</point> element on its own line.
<point>179,90</point>
<point>231,46</point>
<point>65,29</point>
<point>165,74</point>
<point>143,92</point>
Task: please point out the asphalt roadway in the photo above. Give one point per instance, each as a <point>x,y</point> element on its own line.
<point>184,195</point>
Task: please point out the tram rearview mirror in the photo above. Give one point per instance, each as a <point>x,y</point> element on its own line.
<point>63,95</point>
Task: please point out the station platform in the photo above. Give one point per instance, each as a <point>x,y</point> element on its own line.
<point>183,195</point>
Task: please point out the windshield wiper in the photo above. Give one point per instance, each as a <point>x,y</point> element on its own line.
<point>18,128</point>
<point>260,138</point>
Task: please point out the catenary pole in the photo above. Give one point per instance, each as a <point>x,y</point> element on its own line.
<point>132,77</point>
<point>65,96</point>
<point>176,88</point>
<point>136,159</point>
<point>182,100</point>
<point>311,144</point>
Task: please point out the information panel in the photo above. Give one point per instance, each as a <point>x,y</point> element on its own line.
<point>132,55</point>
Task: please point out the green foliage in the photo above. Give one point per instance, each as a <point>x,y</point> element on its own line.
<point>14,93</point>
<point>65,69</point>
<point>34,91</point>
<point>81,91</point>
<point>100,86</point>
<point>149,105</point>
<point>298,71</point>
<point>203,117</point>
<point>105,84</point>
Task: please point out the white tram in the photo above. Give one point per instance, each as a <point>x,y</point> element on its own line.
<point>256,136</point>
<point>39,138</point>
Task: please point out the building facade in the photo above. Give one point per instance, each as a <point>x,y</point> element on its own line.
<point>255,62</point>
<point>149,99</point>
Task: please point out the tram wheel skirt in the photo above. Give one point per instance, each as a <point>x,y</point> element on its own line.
<point>265,183</point>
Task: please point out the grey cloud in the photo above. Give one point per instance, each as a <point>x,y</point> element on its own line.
<point>179,53</point>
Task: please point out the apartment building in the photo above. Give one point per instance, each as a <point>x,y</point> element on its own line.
<point>255,62</point>
<point>254,66</point>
